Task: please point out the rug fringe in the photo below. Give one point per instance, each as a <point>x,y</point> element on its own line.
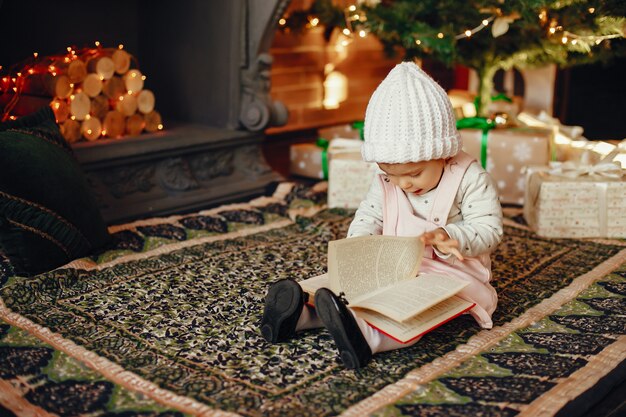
<point>482,341</point>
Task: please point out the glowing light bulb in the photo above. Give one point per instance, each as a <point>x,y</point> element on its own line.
<point>121,98</point>
<point>315,21</point>
<point>362,33</point>
<point>72,85</point>
<point>346,31</point>
<point>67,59</point>
<point>591,10</point>
<point>120,46</point>
<point>134,74</point>
<point>72,97</point>
<point>89,131</point>
<point>282,22</point>
<point>73,117</point>
<point>101,78</point>
<point>15,89</point>
<point>130,91</point>
<point>104,132</point>
<point>574,42</point>
<point>69,49</point>
<point>552,30</point>
<point>440,35</point>
<point>485,22</point>
<point>418,42</point>
<point>143,77</point>
<point>564,39</point>
<point>56,106</point>
<point>97,43</point>
<point>352,8</point>
<point>19,74</point>
<point>35,54</point>
<point>87,117</point>
<point>31,71</point>
<point>468,33</point>
<point>160,126</point>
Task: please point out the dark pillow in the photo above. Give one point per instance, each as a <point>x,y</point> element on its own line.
<point>48,215</point>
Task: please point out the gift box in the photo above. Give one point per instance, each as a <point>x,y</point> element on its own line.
<point>308,160</point>
<point>344,131</point>
<point>504,152</point>
<point>349,176</point>
<point>576,201</point>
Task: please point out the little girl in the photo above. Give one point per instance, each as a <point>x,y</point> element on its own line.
<point>426,187</point>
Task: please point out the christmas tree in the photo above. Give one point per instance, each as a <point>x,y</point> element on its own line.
<point>488,35</point>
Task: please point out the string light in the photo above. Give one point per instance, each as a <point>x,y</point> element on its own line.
<point>97,43</point>
<point>315,21</point>
<point>282,22</point>
<point>469,32</point>
<point>591,10</point>
<point>346,32</point>
<point>120,46</point>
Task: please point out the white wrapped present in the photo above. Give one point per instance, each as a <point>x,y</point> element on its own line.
<point>572,200</point>
<point>349,176</point>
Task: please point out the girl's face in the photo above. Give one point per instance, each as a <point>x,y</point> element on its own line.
<point>414,177</point>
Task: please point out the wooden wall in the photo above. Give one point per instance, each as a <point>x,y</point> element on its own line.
<point>297,75</point>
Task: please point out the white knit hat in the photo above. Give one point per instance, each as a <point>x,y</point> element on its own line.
<point>409,119</point>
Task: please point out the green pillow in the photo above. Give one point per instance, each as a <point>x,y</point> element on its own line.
<point>48,216</point>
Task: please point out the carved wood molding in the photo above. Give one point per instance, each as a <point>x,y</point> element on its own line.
<point>257,109</point>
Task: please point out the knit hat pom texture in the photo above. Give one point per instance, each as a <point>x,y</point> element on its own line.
<point>409,118</point>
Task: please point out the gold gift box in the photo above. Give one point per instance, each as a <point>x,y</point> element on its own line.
<point>509,150</point>
<point>305,159</point>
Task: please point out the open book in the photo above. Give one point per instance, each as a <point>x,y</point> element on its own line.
<point>378,276</point>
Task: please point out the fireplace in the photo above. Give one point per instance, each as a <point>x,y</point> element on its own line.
<point>207,63</point>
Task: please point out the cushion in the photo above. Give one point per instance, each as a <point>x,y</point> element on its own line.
<point>48,216</point>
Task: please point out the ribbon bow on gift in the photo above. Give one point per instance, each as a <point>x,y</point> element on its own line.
<point>605,168</point>
<point>571,169</point>
<point>481,123</point>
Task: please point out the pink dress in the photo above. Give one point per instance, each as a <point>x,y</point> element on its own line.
<point>400,220</point>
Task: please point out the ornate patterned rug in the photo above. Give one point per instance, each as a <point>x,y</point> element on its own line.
<point>164,322</point>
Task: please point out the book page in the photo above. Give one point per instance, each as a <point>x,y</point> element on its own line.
<point>361,265</point>
<point>410,297</point>
<point>311,285</point>
<point>420,324</point>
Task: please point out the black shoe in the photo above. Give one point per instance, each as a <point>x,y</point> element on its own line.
<point>283,305</point>
<point>353,348</point>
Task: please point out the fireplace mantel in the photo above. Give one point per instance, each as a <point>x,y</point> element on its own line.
<point>207,63</point>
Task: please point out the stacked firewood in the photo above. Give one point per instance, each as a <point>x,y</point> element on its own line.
<point>94,93</point>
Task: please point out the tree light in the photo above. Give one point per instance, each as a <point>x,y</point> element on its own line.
<point>485,22</point>
<point>282,22</point>
<point>468,33</point>
<point>346,31</point>
<point>440,35</point>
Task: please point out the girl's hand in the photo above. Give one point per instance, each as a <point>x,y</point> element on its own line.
<point>440,239</point>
